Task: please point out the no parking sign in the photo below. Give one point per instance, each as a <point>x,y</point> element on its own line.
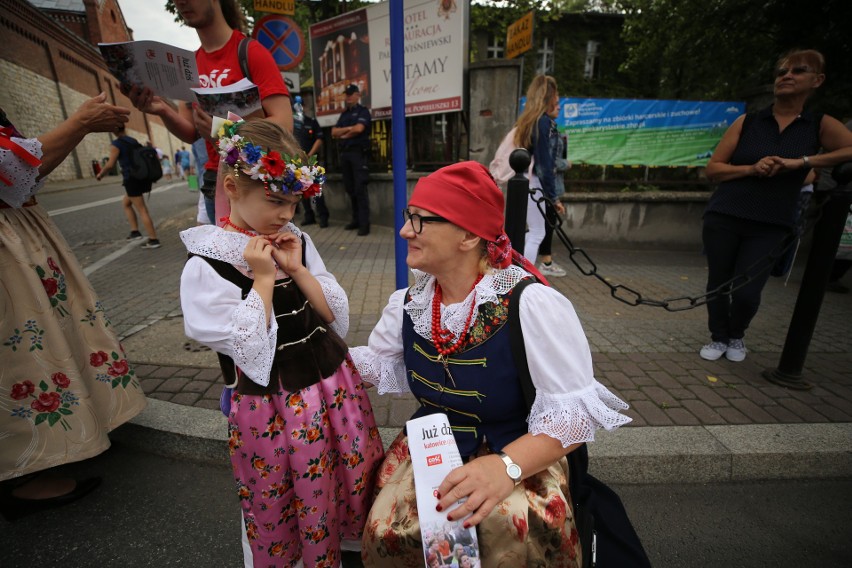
<point>283,38</point>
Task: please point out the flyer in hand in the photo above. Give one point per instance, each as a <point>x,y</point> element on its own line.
<point>241,98</point>
<point>434,454</point>
<point>167,70</point>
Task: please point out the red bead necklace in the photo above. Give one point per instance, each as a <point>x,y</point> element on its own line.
<point>227,222</point>
<point>441,337</point>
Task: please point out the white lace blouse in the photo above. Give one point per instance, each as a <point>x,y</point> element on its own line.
<point>570,404</point>
<point>24,177</point>
<point>215,314</point>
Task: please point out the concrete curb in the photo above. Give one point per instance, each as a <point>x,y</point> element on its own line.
<point>682,454</point>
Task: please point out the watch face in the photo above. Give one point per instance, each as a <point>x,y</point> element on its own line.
<point>514,471</point>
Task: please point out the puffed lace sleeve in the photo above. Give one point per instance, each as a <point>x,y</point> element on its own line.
<point>22,176</point>
<point>215,315</point>
<point>334,294</point>
<point>570,404</point>
<point>381,362</point>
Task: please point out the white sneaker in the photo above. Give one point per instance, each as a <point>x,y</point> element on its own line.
<point>714,350</point>
<point>552,270</point>
<point>736,351</point>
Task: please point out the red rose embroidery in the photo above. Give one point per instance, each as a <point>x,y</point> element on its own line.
<point>119,368</point>
<point>46,402</point>
<point>60,380</point>
<point>53,266</point>
<point>50,286</point>
<point>22,390</point>
<point>554,512</point>
<point>98,359</point>
<point>521,526</point>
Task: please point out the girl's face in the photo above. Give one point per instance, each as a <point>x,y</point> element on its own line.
<point>466,562</point>
<point>263,213</point>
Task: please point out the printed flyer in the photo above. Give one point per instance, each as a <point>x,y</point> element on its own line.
<point>242,98</point>
<point>434,454</point>
<point>167,70</point>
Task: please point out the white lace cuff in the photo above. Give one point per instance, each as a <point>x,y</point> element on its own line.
<point>338,303</point>
<point>387,374</point>
<point>573,418</point>
<point>254,341</point>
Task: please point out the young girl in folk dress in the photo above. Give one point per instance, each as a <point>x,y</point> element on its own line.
<point>303,438</point>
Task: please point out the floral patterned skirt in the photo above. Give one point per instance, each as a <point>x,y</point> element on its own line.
<point>64,378</point>
<point>533,527</point>
<point>305,465</point>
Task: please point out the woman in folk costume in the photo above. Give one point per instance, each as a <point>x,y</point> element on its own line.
<point>303,439</point>
<point>444,339</point>
<point>64,378</point>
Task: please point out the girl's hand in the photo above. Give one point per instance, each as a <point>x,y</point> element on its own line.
<point>287,251</point>
<point>258,255</point>
<point>485,484</point>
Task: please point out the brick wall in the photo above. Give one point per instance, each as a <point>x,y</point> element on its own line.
<point>47,72</point>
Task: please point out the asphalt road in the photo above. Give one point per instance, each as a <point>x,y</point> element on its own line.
<point>153,511</point>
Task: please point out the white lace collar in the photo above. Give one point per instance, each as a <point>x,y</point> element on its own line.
<point>495,283</point>
<point>217,243</point>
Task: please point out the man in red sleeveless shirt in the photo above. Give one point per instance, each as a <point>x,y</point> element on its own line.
<point>218,23</point>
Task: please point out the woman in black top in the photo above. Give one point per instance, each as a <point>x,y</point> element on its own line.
<point>761,163</point>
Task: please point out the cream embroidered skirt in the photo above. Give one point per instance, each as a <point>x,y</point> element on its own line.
<point>534,527</point>
<point>64,378</point>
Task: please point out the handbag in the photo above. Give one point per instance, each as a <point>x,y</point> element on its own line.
<point>607,536</point>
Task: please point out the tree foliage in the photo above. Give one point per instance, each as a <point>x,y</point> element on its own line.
<point>725,49</point>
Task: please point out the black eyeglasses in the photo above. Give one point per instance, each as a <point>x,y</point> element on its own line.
<point>797,70</point>
<point>417,220</point>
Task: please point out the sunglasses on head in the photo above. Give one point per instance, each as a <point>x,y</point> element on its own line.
<point>797,70</point>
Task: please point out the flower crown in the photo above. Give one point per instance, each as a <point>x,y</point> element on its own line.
<point>287,174</point>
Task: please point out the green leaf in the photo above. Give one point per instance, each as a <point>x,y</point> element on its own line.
<point>40,271</point>
<point>53,418</point>
<point>43,386</point>
<point>65,411</point>
<point>114,356</point>
<point>40,418</point>
<point>116,381</point>
<point>125,380</point>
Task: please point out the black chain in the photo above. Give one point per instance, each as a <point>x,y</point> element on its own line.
<point>631,297</point>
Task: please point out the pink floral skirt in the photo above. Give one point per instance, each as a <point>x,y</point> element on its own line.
<point>65,381</point>
<point>533,527</point>
<point>305,465</point>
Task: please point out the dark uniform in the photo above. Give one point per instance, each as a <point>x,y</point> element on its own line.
<point>307,132</point>
<point>354,155</point>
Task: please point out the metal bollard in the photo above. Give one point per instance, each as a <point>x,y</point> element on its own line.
<point>827,232</point>
<point>517,192</point>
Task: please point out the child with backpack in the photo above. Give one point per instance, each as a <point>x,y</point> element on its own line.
<point>138,173</point>
<point>302,435</point>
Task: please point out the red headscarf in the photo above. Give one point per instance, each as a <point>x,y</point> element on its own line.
<point>467,196</point>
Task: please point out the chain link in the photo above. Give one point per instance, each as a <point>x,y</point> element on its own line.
<point>632,297</point>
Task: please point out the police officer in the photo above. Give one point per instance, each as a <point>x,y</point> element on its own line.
<point>353,132</point>
<point>309,135</point>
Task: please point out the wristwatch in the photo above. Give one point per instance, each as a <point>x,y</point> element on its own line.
<point>513,470</point>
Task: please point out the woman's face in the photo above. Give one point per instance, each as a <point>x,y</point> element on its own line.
<point>553,108</point>
<point>434,247</point>
<point>796,77</point>
<point>466,562</point>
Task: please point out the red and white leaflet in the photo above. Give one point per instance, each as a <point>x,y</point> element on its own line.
<point>434,454</point>
<point>169,71</point>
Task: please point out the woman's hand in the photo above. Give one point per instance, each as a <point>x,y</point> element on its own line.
<point>788,164</point>
<point>560,208</point>
<point>96,115</point>
<point>258,255</point>
<point>766,167</point>
<point>485,484</point>
<point>287,251</point>
<point>144,99</point>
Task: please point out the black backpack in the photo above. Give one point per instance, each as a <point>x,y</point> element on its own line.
<point>606,534</point>
<point>144,161</point>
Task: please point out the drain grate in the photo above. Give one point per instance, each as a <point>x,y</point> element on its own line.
<point>194,347</point>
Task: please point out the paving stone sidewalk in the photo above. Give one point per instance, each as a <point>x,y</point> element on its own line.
<point>647,355</point>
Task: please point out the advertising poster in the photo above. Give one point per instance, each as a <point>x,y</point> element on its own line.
<point>355,48</point>
<point>644,132</point>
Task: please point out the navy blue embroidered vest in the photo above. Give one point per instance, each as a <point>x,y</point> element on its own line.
<point>479,389</point>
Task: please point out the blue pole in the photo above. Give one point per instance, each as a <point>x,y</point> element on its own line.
<point>399,162</point>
